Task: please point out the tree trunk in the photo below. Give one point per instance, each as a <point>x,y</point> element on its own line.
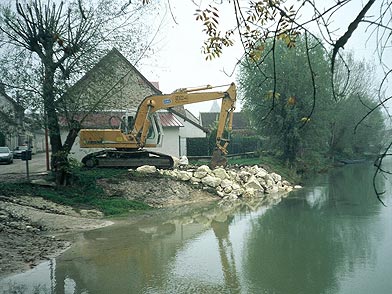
<point>59,160</point>
<point>71,137</point>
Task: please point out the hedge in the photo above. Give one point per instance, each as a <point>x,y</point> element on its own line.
<point>238,144</point>
<point>197,146</point>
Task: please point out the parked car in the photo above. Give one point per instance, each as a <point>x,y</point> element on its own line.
<point>18,151</point>
<point>6,155</point>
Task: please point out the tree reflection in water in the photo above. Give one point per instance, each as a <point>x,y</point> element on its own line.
<point>300,247</point>
<point>222,232</point>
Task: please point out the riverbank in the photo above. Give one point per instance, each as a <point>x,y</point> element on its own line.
<point>32,227</point>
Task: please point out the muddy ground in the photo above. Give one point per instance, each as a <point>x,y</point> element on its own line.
<point>32,229</point>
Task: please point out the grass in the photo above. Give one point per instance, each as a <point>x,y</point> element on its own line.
<point>84,193</point>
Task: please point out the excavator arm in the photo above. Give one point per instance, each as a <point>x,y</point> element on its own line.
<point>186,96</point>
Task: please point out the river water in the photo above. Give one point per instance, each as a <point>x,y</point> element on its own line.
<point>332,236</point>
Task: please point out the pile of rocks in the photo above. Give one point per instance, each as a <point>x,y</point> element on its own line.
<point>249,181</point>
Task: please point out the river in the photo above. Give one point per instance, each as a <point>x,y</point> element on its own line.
<point>332,236</point>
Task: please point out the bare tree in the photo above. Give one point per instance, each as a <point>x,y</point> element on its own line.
<point>54,43</point>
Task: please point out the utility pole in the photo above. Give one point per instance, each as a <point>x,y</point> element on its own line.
<point>47,148</point>
<point>47,143</point>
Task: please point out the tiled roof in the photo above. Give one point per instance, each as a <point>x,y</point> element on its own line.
<point>208,119</point>
<point>15,104</point>
<point>112,119</point>
<point>191,117</point>
<point>98,120</point>
<point>188,116</point>
<point>169,120</point>
<point>115,82</point>
<point>240,120</point>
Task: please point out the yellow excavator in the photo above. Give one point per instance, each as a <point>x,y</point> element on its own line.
<point>125,147</point>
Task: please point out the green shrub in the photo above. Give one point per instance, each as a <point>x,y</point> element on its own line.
<point>84,193</point>
<point>238,144</point>
<point>241,144</point>
<point>197,146</point>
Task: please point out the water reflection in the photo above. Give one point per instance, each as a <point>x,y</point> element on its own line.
<point>222,232</point>
<point>139,258</point>
<point>326,238</point>
<point>309,245</point>
<point>146,257</point>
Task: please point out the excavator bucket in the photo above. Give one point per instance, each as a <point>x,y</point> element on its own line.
<point>218,159</point>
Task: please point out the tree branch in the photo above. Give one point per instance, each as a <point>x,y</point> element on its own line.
<point>347,35</point>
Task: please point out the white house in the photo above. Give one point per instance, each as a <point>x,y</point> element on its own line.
<point>191,129</point>
<point>121,86</point>
<point>171,134</point>
<point>11,120</point>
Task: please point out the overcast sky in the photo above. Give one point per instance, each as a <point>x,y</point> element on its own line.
<point>180,63</point>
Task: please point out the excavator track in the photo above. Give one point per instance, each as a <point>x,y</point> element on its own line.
<point>127,159</point>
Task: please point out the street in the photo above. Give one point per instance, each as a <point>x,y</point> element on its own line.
<point>36,165</point>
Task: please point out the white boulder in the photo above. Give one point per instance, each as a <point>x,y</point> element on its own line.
<point>261,173</point>
<point>184,175</point>
<point>220,173</point>
<point>228,190</point>
<point>226,183</point>
<point>183,161</point>
<point>195,180</point>
<point>147,169</point>
<point>211,181</point>
<point>253,183</point>
<point>276,177</point>
<point>249,192</point>
<point>201,171</point>
<point>203,168</point>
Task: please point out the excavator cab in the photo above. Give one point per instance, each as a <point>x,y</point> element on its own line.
<point>155,131</point>
<point>126,123</point>
<point>122,138</point>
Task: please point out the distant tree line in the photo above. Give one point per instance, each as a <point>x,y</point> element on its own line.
<point>304,120</point>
